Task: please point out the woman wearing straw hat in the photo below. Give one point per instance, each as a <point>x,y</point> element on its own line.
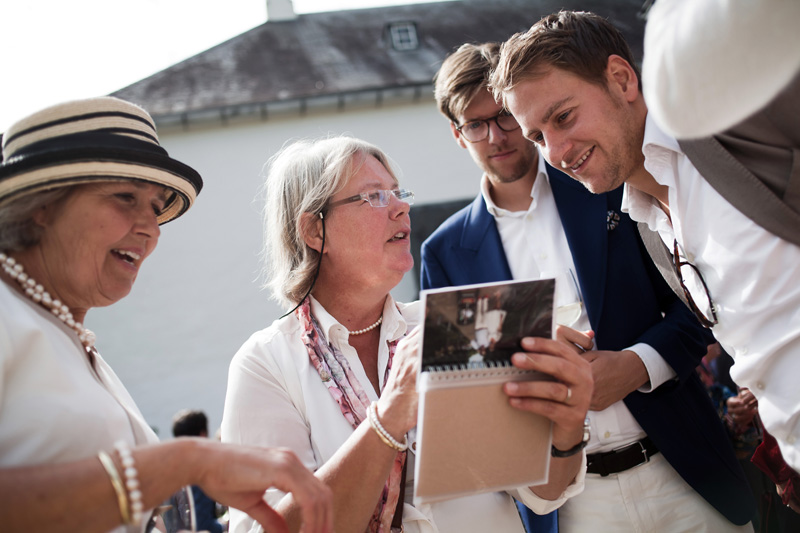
<point>84,187</point>
<point>337,234</point>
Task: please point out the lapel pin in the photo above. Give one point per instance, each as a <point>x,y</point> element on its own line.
<point>612,220</point>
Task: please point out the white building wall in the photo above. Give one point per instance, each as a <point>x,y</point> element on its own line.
<point>196,300</point>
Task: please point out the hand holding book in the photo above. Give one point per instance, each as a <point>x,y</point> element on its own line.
<point>496,392</point>
<point>398,401</point>
<point>564,401</point>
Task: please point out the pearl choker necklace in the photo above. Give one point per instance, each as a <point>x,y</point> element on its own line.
<point>36,292</point>
<point>368,328</point>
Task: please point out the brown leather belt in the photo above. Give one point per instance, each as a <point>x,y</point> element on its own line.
<point>634,454</point>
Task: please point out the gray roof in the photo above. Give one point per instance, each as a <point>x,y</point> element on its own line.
<point>334,54</point>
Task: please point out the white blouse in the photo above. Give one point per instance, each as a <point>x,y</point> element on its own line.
<point>54,407</point>
<point>276,398</point>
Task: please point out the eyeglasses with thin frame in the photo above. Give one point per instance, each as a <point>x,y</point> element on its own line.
<point>677,264</point>
<point>475,131</point>
<point>378,198</point>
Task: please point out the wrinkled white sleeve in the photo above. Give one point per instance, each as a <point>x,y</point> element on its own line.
<point>709,64</point>
<point>658,370</point>
<point>260,411</point>
<point>541,506</point>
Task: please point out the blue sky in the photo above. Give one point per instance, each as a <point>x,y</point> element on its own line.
<point>57,50</point>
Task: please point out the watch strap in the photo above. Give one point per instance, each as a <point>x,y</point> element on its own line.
<point>587,433</point>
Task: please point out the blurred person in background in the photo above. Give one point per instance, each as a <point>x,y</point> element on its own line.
<point>192,423</point>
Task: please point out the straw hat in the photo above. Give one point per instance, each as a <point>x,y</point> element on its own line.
<point>86,141</point>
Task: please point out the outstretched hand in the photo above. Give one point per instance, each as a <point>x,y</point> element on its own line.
<point>238,476</point>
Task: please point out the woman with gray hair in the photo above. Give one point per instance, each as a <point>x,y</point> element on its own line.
<point>334,379</point>
<point>84,188</point>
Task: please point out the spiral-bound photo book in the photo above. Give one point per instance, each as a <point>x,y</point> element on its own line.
<point>469,439</point>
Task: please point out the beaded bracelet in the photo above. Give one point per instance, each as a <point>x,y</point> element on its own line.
<point>372,416</point>
<point>131,481</point>
<point>116,482</point>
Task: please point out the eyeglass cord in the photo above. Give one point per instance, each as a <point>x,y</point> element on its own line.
<point>316,274</point>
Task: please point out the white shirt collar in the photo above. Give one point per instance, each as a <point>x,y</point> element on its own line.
<point>487,197</point>
<point>498,212</point>
<point>655,136</point>
<point>541,169</point>
<point>659,148</point>
<point>393,324</point>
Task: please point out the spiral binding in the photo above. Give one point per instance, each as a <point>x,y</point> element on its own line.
<point>461,373</point>
<point>469,366</point>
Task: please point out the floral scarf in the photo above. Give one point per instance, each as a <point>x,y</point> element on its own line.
<point>343,385</point>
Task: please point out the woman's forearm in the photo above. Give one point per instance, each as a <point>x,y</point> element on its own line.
<point>563,472</point>
<point>79,496</point>
<point>356,474</point>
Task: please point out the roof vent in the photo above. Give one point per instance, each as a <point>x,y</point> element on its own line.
<point>403,35</point>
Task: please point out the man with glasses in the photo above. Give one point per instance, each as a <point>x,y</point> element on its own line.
<point>645,455</point>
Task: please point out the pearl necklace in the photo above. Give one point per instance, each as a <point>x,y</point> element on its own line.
<point>368,328</point>
<point>35,291</point>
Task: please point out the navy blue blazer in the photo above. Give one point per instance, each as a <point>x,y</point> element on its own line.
<point>627,302</point>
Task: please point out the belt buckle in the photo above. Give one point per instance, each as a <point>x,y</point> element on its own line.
<point>645,457</point>
<point>599,458</point>
<point>623,449</point>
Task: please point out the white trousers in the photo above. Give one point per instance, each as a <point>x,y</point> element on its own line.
<point>649,498</point>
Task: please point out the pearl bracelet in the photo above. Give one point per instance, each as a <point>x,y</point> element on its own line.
<point>372,416</point>
<point>116,482</point>
<point>131,482</point>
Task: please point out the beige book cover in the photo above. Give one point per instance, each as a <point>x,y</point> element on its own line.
<point>469,439</point>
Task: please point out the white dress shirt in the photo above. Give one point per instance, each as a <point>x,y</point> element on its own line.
<point>54,406</point>
<point>752,275</point>
<point>276,398</point>
<point>536,247</point>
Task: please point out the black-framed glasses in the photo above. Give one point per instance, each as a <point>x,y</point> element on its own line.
<point>475,131</point>
<point>379,198</point>
<point>678,264</point>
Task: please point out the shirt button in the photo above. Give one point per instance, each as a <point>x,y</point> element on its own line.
<point>760,385</point>
<point>742,350</point>
<point>607,434</point>
<point>791,439</point>
<point>414,445</point>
